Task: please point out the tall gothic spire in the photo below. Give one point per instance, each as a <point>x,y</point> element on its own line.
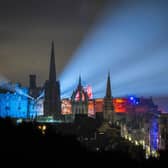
<point>52,99</point>
<point>52,73</point>
<point>108,87</point>
<point>80,83</point>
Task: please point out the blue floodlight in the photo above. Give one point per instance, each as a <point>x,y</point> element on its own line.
<point>131,98</point>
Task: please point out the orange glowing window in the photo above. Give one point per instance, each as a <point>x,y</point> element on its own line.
<point>90,108</point>
<point>119,100</point>
<point>120,105</point>
<point>66,107</point>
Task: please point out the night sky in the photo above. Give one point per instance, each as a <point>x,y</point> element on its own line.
<point>27,28</point>
<point>129,38</point>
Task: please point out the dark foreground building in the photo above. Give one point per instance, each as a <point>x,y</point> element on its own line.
<point>52,100</point>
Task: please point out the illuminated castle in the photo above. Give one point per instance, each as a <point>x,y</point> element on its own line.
<point>13,104</point>
<point>52,100</point>
<point>45,101</point>
<point>19,105</point>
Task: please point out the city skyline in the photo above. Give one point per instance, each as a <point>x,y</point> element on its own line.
<point>84,76</point>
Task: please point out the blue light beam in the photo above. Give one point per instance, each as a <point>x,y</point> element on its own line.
<point>129,41</point>
<point>6,84</point>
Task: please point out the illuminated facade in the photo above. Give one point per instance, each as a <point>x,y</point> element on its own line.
<point>121,105</point>
<point>13,104</point>
<point>35,107</point>
<point>66,107</point>
<point>91,108</point>
<point>88,90</point>
<point>142,125</point>
<point>125,104</point>
<point>66,110</point>
<point>79,100</point>
<point>154,133</point>
<point>17,105</point>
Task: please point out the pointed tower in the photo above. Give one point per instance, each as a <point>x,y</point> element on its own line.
<point>108,103</point>
<point>52,72</point>
<point>79,100</point>
<point>80,83</point>
<point>52,102</point>
<point>108,87</point>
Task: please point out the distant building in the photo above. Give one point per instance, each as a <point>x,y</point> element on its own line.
<point>108,108</point>
<point>163,130</point>
<point>34,91</point>
<point>140,111</point>
<point>52,100</point>
<point>66,110</point>
<point>79,101</point>
<point>98,106</point>
<point>14,104</point>
<point>35,106</point>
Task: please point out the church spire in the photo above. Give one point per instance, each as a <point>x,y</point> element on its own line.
<point>108,87</point>
<point>52,73</point>
<point>80,83</point>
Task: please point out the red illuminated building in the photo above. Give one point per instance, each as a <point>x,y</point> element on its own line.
<point>82,103</point>
<point>121,105</point>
